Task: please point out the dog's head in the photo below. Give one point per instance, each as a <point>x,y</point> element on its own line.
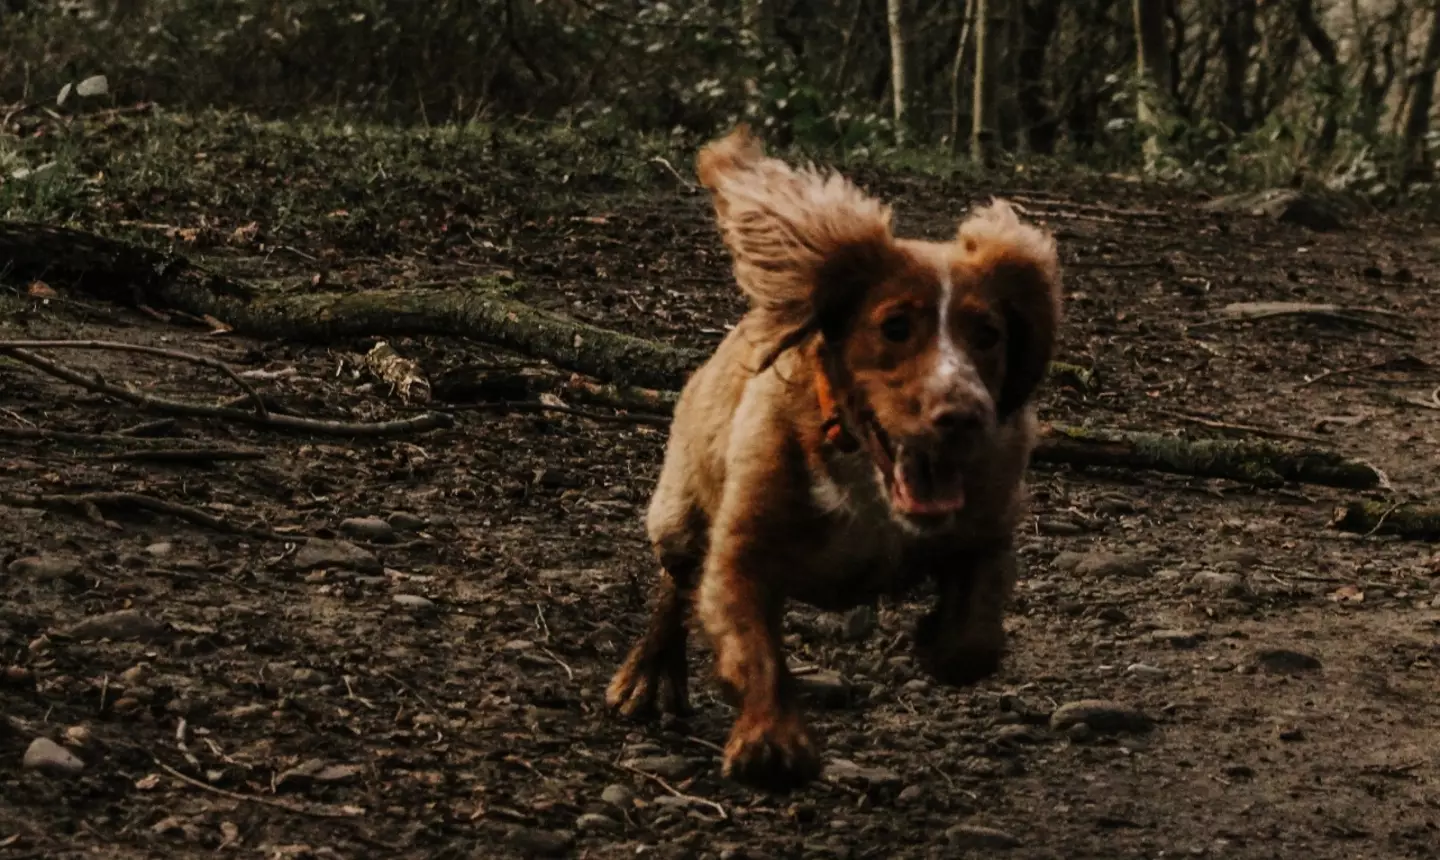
<point>931,346</point>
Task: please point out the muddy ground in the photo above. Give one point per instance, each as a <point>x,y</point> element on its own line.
<point>439,694</point>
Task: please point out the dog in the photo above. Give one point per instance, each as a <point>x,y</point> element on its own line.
<point>865,426</point>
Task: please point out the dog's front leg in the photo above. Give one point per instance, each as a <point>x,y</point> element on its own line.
<point>962,640</point>
<point>769,746</point>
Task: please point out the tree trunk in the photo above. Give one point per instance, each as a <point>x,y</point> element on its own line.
<point>966,20</point>
<point>895,20</point>
<point>1152,63</point>
<point>1041,125</point>
<point>1422,99</point>
<point>1331,75</point>
<point>1237,39</point>
<point>982,102</point>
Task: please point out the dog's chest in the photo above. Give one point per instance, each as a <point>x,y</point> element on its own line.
<point>863,549</point>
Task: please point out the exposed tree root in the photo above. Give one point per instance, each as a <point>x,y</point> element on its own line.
<point>1413,522</point>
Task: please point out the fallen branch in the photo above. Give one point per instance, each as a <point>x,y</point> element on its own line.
<point>294,809</point>
<point>11,345</point>
<point>1413,522</point>
<point>90,502</point>
<point>427,421</point>
<point>184,455</point>
<point>1355,316</point>
<point>1262,463</point>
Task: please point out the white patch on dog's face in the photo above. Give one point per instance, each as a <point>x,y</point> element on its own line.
<point>954,371</point>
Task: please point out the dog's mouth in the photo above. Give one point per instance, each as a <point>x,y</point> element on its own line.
<point>922,481</point>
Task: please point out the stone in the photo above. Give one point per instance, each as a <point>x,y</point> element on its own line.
<point>859,623</point>
<point>1218,583</point>
<point>400,521</point>
<point>48,757</point>
<point>127,625</point>
<point>1112,564</point>
<point>618,796</point>
<point>1146,672</point>
<point>825,688</point>
<point>593,822</point>
<point>368,528</point>
<point>412,602</point>
<point>1102,716</point>
<point>667,766</point>
<point>1177,638</point>
<point>979,837</point>
<point>847,771</point>
<point>337,554</point>
<point>44,567</point>
<point>541,843</point>
<point>1284,661</point>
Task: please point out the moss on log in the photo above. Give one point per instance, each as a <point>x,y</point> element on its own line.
<point>1413,522</point>
<point>1266,464</point>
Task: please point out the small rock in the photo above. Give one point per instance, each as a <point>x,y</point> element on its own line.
<point>1177,638</point>
<point>368,528</point>
<point>1067,561</point>
<point>127,625</point>
<point>49,757</point>
<point>1013,733</point>
<point>592,822</point>
<point>909,795</point>
<point>541,843</point>
<point>307,677</point>
<point>618,795</point>
<point>413,602</point>
<point>77,736</point>
<point>1217,582</point>
<point>1291,733</point>
<point>403,522</point>
<point>1145,671</point>
<point>1111,564</point>
<point>1079,733</point>
<point>300,776</point>
<point>847,771</point>
<point>1285,661</point>
<point>667,766</point>
<point>18,676</point>
<point>827,689</point>
<point>1239,556</point>
<point>337,774</point>
<point>136,675</point>
<point>978,837</point>
<point>337,553</point>
<point>859,623</point>
<point>160,549</point>
<point>44,567</point>
<point>1100,715</point>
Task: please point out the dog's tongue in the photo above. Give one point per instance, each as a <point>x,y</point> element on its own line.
<point>923,487</point>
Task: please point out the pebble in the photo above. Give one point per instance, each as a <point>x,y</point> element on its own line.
<point>49,757</point>
<point>545,843</point>
<point>368,528</point>
<point>859,623</point>
<point>125,625</point>
<point>43,567</point>
<point>910,795</point>
<point>826,688</point>
<point>403,522</point>
<point>593,822</point>
<point>1217,582</point>
<point>667,766</point>
<point>413,601</point>
<point>337,553</point>
<point>1014,733</point>
<point>136,675</point>
<point>1100,715</point>
<point>1285,661</point>
<point>845,770</point>
<point>1177,638</point>
<point>1108,564</point>
<point>160,549</point>
<point>979,837</point>
<point>1146,672</point>
<point>77,736</point>
<point>618,795</point>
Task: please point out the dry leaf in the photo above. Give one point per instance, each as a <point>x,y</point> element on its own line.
<point>216,326</point>
<point>1347,594</point>
<point>41,290</point>
<point>148,782</point>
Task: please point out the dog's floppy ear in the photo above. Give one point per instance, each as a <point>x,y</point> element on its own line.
<point>805,244</point>
<point>1019,265</point>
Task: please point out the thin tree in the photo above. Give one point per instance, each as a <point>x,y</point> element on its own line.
<point>967,18</point>
<point>895,17</point>
<point>982,103</point>
<point>1331,74</point>
<point>1422,99</point>
<point>1152,63</point>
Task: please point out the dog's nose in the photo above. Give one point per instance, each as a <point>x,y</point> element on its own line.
<point>957,423</point>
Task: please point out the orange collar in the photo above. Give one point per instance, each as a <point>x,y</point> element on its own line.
<point>832,425</point>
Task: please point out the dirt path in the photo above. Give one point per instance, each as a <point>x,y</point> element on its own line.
<point>439,696</point>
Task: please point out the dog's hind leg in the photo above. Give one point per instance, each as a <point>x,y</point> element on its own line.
<point>658,659</point>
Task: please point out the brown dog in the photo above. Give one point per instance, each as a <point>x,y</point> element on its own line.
<point>867,424</point>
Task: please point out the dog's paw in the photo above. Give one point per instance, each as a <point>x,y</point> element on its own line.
<point>632,693</point>
<point>962,663</point>
<point>774,754</point>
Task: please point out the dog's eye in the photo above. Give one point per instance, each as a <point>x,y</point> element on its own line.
<point>896,328</point>
<point>986,336</point>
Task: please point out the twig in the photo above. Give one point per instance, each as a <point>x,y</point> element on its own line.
<point>665,163</point>
<point>660,781</point>
<point>90,501</point>
<point>185,455</point>
<point>1239,428</point>
<point>426,421</point>
<point>411,690</point>
<point>1256,311</point>
<point>533,406</point>
<point>38,434</point>
<point>314,811</point>
<point>215,363</point>
<point>569,673</point>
